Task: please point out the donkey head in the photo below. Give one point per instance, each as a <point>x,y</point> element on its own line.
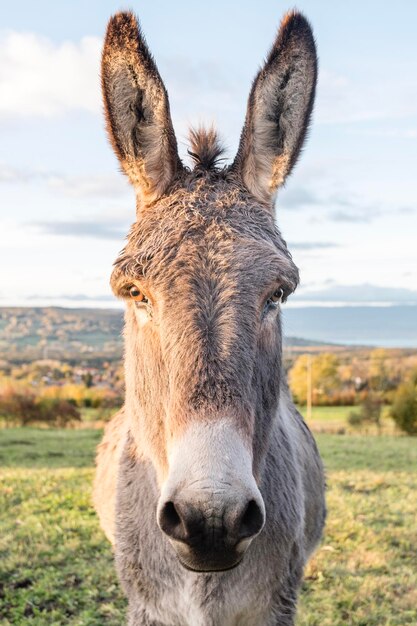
<point>203,274</point>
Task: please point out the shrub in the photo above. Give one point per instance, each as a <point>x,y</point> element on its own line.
<point>15,405</point>
<point>404,408</point>
<point>57,412</point>
<point>355,419</point>
<point>23,408</point>
<point>369,411</point>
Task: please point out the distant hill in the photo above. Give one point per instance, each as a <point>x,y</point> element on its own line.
<point>30,333</point>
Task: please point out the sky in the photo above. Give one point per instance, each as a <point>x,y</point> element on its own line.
<point>348,212</point>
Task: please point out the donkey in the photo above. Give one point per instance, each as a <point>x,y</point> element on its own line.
<point>209,483</point>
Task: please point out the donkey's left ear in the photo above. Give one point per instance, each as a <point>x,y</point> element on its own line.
<point>137,109</point>
<point>279,110</point>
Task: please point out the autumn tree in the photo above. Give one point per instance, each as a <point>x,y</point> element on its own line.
<point>404,407</point>
<point>324,377</point>
<point>379,378</point>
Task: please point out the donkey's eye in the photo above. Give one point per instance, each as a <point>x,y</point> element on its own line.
<point>277,296</point>
<point>274,299</point>
<point>137,295</point>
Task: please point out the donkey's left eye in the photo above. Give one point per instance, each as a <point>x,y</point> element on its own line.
<point>277,296</point>
<point>273,300</point>
<point>137,295</point>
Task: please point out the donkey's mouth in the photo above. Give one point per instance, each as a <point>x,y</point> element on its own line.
<point>207,568</point>
<point>205,560</point>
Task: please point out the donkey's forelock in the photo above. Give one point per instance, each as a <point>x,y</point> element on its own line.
<point>206,149</point>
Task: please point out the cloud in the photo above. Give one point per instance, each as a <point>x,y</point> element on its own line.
<point>108,185</point>
<point>42,78</point>
<point>98,185</point>
<point>75,297</point>
<point>344,208</point>
<point>405,210</point>
<point>39,77</point>
<point>312,245</point>
<point>365,293</point>
<point>10,174</point>
<point>13,174</point>
<point>345,100</point>
<point>366,214</point>
<point>297,197</point>
<point>338,206</point>
<point>353,217</point>
<point>96,230</point>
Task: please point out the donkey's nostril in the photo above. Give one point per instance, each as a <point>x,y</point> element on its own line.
<point>251,521</point>
<point>169,519</point>
<point>206,528</point>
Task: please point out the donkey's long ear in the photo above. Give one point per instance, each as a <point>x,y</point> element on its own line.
<point>279,110</point>
<point>137,109</point>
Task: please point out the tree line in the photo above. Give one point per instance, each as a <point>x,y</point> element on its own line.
<point>382,379</point>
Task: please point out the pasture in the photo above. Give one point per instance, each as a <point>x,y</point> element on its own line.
<point>56,567</point>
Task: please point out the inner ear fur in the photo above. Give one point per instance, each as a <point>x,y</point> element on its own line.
<point>137,109</point>
<point>279,110</point>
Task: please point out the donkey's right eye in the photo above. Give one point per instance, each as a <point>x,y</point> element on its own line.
<point>137,295</point>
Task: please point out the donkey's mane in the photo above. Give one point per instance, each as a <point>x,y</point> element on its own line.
<point>206,149</point>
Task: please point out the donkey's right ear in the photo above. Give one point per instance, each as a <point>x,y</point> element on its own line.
<point>137,110</point>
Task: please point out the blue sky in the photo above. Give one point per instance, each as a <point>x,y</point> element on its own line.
<point>349,211</point>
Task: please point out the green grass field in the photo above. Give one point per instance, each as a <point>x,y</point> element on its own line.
<point>334,419</point>
<point>56,567</point>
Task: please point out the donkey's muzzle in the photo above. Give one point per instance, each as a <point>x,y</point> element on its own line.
<point>210,506</point>
<point>208,536</point>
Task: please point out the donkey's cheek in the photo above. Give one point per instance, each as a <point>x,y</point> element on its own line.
<point>142,316</point>
<point>270,335</point>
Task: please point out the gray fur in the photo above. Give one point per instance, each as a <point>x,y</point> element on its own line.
<point>206,349</point>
